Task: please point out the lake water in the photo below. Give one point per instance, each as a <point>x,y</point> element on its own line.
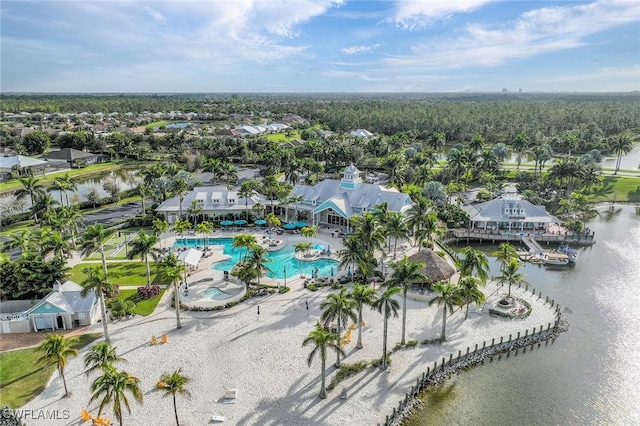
<point>590,374</point>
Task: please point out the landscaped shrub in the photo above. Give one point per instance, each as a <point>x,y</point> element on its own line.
<point>145,292</point>
<point>121,308</point>
<point>284,289</point>
<point>412,343</point>
<point>347,370</point>
<point>312,287</point>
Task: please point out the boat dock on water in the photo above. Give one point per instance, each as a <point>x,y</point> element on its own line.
<point>535,254</point>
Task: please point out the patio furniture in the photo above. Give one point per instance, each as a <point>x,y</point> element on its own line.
<point>218,418</point>
<point>230,395</point>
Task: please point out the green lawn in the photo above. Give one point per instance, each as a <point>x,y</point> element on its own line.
<point>616,188</point>
<point>112,244</point>
<point>21,378</point>
<point>120,273</point>
<point>143,307</point>
<point>159,123</point>
<point>282,137</point>
<point>17,227</point>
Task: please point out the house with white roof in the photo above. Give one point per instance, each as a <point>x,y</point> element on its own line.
<point>62,309</point>
<point>510,213</point>
<point>20,163</point>
<point>216,202</point>
<point>361,133</point>
<point>334,202</point>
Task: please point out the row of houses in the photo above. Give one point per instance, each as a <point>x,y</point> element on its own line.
<point>65,158</point>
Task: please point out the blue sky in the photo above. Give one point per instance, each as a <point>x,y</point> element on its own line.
<point>319,46</point>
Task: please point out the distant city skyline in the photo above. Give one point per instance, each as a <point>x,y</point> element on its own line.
<point>320,46</point>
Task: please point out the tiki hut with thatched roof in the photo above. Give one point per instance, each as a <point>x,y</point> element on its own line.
<point>436,268</point>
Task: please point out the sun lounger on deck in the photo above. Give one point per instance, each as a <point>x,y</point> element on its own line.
<point>230,395</point>
<point>217,418</point>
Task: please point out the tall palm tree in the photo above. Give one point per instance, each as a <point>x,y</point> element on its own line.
<point>505,253</point>
<point>405,273</point>
<point>620,145</point>
<point>113,386</point>
<point>181,226</point>
<point>340,308</point>
<point>258,260</point>
<point>247,190</point>
<point>97,281</point>
<point>475,263</point>
<point>71,221</point>
<point>31,187</point>
<point>361,295</point>
<point>302,247</point>
<point>243,241</point>
<point>388,306</point>
<point>204,228</point>
<point>448,298</point>
<point>54,243</point>
<point>469,292</point>
<point>58,185</point>
<point>56,349</point>
<point>173,270</point>
<point>511,274</point>
<point>22,240</point>
<point>93,239</point>
<point>520,144</point>
<point>323,341</point>
<point>44,207</point>
<point>143,191</point>
<point>396,228</point>
<point>172,384</point>
<point>370,232</point>
<point>143,246</point>
<point>160,226</point>
<point>102,356</point>
<point>179,189</point>
<point>353,255</point>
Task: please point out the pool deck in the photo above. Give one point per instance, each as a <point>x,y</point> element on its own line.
<point>215,253</point>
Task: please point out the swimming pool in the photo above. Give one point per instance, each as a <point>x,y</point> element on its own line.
<point>216,293</point>
<point>280,260</point>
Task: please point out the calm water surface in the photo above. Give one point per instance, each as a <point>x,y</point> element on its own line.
<point>591,374</point>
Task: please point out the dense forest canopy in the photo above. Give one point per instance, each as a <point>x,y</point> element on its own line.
<point>497,117</point>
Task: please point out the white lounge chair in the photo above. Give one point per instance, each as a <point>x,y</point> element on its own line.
<point>230,395</point>
<point>217,418</point>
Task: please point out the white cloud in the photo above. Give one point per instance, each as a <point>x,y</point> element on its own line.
<point>414,14</point>
<point>356,50</point>
<point>544,30</point>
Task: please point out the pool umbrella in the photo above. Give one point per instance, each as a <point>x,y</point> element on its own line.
<point>260,222</point>
<point>226,223</point>
<point>240,222</point>
<point>289,226</point>
<point>300,224</point>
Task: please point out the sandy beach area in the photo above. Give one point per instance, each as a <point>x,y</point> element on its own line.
<point>262,356</point>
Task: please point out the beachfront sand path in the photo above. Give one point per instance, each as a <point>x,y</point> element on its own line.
<point>263,357</point>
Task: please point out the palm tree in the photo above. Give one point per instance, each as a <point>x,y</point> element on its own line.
<point>511,274</point>
<point>323,340</point>
<point>259,209</point>
<point>204,228</point>
<point>172,384</point>
<point>474,262</point>
<point>55,349</point>
<point>620,145</point>
<point>30,187</point>
<point>97,281</point>
<point>505,253</point>
<point>361,295</point>
<point>102,356</point>
<point>243,241</point>
<point>181,226</point>
<point>54,242</point>
<point>22,240</point>
<point>173,270</point>
<point>160,226</point>
<point>387,306</point>
<point>302,247</point>
<point>405,273</point>
<point>353,255</point>
<point>340,308</point>
<point>141,247</point>
<point>113,386</point>
<point>258,260</point>
<point>448,297</point>
<point>93,239</point>
<point>520,144</point>
<point>144,192</point>
<point>247,190</point>
<point>469,292</point>
<point>396,228</point>
<point>57,185</point>
<point>309,231</point>
<point>194,210</point>
<point>179,189</point>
